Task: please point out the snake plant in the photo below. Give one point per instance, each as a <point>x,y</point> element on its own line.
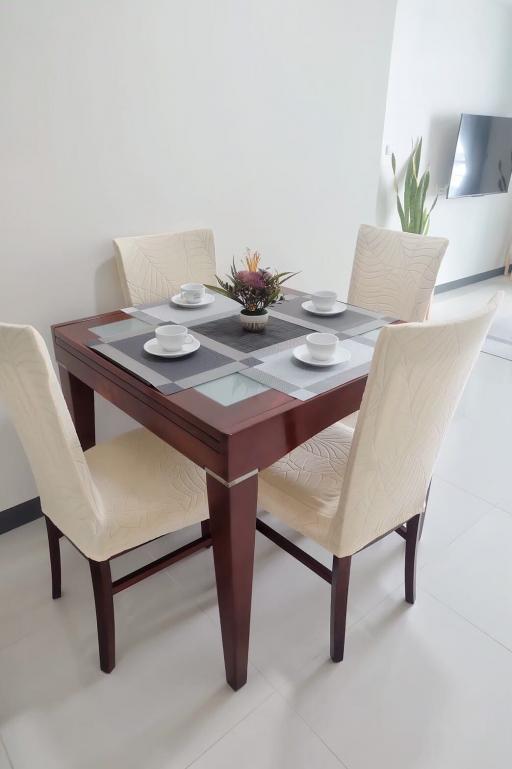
<point>414,215</point>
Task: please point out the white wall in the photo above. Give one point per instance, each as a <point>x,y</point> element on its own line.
<point>450,56</point>
<point>260,118</point>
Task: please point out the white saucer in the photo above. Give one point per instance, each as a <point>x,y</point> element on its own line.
<point>341,355</point>
<point>338,308</point>
<point>153,347</point>
<point>208,299</point>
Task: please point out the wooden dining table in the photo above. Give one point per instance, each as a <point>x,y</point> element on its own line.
<point>231,442</point>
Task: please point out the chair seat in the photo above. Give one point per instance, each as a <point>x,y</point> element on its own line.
<point>147,489</point>
<point>303,488</point>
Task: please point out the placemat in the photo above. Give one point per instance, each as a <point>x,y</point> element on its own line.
<point>283,372</point>
<point>353,322</point>
<point>169,375</point>
<point>230,332</point>
<point>265,357</point>
<point>120,329</point>
<point>167,312</point>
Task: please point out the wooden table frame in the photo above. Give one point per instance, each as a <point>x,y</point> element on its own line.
<point>232,443</point>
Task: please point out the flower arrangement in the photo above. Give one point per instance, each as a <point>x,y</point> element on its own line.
<point>254,288</point>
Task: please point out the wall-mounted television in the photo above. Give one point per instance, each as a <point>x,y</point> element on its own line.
<point>483,156</point>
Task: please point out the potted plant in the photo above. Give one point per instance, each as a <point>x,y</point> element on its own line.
<point>414,216</point>
<point>254,288</point>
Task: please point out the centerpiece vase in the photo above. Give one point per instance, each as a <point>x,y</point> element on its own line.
<point>254,321</point>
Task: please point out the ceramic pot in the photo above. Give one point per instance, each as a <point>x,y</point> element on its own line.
<point>254,322</point>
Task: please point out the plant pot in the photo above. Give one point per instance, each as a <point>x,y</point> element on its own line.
<point>254,322</point>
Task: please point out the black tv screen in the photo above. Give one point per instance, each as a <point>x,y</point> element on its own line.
<point>483,156</point>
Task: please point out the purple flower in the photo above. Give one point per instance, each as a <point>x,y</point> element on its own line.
<point>251,279</point>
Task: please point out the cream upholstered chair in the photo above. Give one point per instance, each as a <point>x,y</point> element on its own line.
<point>346,489</point>
<point>153,267</point>
<point>112,498</point>
<point>395,272</point>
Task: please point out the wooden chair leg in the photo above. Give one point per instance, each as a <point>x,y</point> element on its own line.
<point>53,544</point>
<point>414,526</point>
<point>205,529</point>
<point>104,600</point>
<point>339,597</point>
<point>507,261</point>
<point>422,517</point>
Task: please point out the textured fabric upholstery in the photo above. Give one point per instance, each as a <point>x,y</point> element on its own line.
<point>154,267</point>
<point>146,488</point>
<point>417,377</point>
<point>117,495</point>
<point>303,488</point>
<point>395,272</point>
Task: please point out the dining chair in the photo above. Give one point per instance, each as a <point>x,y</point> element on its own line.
<point>107,500</point>
<point>153,267</point>
<point>395,272</point>
<point>346,489</point>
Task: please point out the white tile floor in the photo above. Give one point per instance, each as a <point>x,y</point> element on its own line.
<point>423,687</point>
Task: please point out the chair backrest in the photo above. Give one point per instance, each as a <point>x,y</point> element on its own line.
<point>395,272</point>
<point>153,267</point>
<point>37,407</point>
<point>417,377</point>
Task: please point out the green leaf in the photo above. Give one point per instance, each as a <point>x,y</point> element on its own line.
<point>217,289</point>
<point>284,276</point>
<point>410,189</point>
<point>417,155</point>
<point>401,213</point>
<point>433,204</point>
<point>419,212</point>
<point>414,216</point>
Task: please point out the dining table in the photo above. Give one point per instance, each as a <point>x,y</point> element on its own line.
<point>242,404</point>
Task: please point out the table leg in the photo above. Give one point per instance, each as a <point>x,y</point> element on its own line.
<point>80,400</point>
<point>233,527</point>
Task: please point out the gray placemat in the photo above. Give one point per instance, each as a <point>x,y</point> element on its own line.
<point>167,312</point>
<point>167,375</point>
<point>283,372</point>
<point>229,331</point>
<point>120,329</point>
<point>265,357</point>
<point>352,322</point>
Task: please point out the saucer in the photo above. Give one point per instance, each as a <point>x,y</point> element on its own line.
<point>338,308</point>
<point>208,299</point>
<point>154,348</point>
<point>341,355</point>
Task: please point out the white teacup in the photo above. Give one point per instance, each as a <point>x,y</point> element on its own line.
<point>322,346</point>
<point>324,300</point>
<point>193,293</point>
<point>172,338</point>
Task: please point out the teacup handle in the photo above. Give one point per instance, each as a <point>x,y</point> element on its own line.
<point>189,339</point>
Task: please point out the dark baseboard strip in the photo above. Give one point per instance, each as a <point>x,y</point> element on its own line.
<point>20,514</point>
<point>468,280</point>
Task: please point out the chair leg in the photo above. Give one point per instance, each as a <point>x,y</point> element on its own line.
<point>422,518</point>
<point>507,261</point>
<point>205,529</point>
<point>339,596</point>
<point>414,527</point>
<point>54,548</point>
<point>104,600</point>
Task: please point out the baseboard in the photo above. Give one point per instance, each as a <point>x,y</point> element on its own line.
<point>468,280</point>
<point>20,514</point>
